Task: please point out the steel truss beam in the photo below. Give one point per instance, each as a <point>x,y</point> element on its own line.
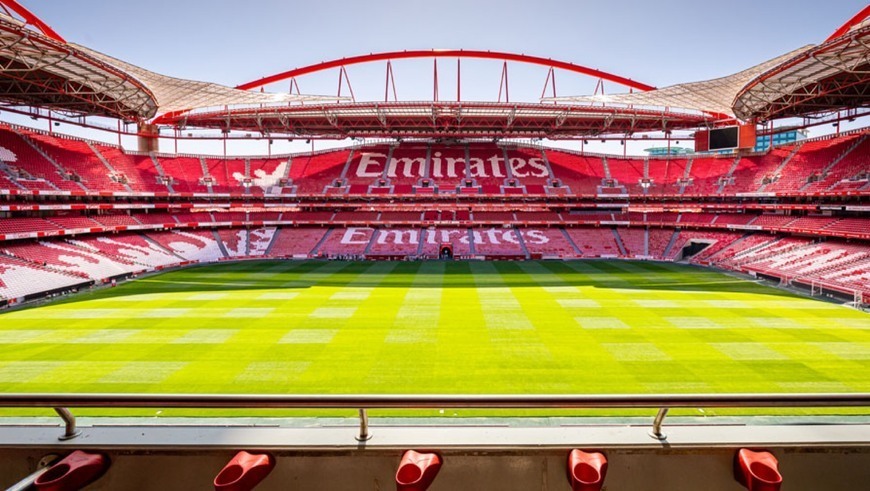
<point>40,71</point>
<point>448,119</point>
<point>830,77</point>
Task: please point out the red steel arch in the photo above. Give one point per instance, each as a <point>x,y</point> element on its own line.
<point>32,19</point>
<point>854,21</point>
<point>446,53</point>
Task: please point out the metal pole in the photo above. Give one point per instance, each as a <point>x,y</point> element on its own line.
<point>69,420</point>
<point>42,467</point>
<point>364,434</point>
<point>657,425</point>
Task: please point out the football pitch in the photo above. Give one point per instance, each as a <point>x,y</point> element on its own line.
<point>537,327</point>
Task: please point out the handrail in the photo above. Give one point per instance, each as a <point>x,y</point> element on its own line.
<point>419,401</point>
<point>363,402</point>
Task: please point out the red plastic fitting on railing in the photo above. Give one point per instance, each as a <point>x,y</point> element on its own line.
<point>73,472</point>
<point>244,472</point>
<point>757,471</point>
<point>417,471</point>
<point>586,470</point>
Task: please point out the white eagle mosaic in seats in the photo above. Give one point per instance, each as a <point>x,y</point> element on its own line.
<point>235,242</point>
<point>259,239</point>
<point>193,246</point>
<point>131,248</point>
<point>263,179</point>
<point>94,265</point>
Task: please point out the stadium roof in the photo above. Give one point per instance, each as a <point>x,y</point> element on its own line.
<point>443,119</point>
<point>713,96</point>
<point>816,78</point>
<point>832,76</point>
<point>175,94</point>
<point>39,68</point>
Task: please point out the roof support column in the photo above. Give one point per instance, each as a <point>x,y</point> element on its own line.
<point>147,137</point>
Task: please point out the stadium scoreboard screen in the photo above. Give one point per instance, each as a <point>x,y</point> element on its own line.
<point>724,138</point>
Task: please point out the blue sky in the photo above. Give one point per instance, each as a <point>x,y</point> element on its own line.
<point>656,42</point>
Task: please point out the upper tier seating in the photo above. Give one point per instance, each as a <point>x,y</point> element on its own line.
<point>706,175</point>
<point>581,174</point>
<point>448,168</point>
<point>114,220</point>
<point>186,173</point>
<point>413,168</point>
<point>20,154</point>
<point>855,162</point>
<point>137,171</point>
<point>76,156</point>
<point>266,176</point>
<point>22,225</point>
<point>627,173</point>
<point>528,168</point>
<point>816,156</point>
<point>312,174</point>
<point>752,170</point>
<point>664,176</point>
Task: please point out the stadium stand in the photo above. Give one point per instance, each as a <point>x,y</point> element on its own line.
<point>497,242</point>
<point>351,241</point>
<point>597,242</point>
<point>581,174</point>
<point>296,242</point>
<point>822,165</point>
<point>396,242</point>
<point>192,245</point>
<point>128,247</point>
<point>664,177</point>
<point>634,241</point>
<point>77,157</point>
<point>459,239</point>
<point>314,173</point>
<point>235,241</point>
<point>19,278</point>
<point>139,172</point>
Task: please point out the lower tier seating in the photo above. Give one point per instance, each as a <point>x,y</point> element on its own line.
<point>32,266</point>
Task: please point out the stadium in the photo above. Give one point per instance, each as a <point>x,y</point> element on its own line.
<point>605,284</point>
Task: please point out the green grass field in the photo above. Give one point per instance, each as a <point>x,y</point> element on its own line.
<point>434,327</point>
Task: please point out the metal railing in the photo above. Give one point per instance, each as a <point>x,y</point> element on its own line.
<point>362,403</point>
